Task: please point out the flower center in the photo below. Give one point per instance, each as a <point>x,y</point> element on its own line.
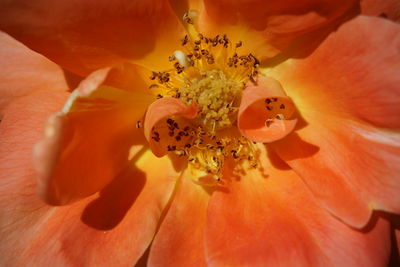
<point>210,73</point>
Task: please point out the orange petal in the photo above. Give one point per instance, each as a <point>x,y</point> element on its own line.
<point>95,128</point>
<point>342,96</point>
<point>359,80</point>
<point>112,228</point>
<point>180,239</point>
<point>276,24</point>
<point>385,8</point>
<point>355,164</point>
<point>89,35</point>
<point>263,111</point>
<point>24,71</point>
<point>276,221</point>
<point>159,110</point>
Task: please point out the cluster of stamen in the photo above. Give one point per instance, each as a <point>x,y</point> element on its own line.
<point>210,72</point>
<point>205,150</point>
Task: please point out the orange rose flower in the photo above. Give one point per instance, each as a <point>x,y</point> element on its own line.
<point>196,133</point>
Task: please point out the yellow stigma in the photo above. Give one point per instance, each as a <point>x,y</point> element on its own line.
<point>210,72</point>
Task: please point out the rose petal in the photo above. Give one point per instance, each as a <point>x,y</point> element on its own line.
<point>155,128</point>
<point>180,239</point>
<point>24,71</point>
<point>95,128</point>
<point>268,27</point>
<point>112,228</point>
<point>347,86</point>
<point>386,8</point>
<point>276,221</point>
<point>89,35</point>
<point>263,111</point>
<point>359,79</point>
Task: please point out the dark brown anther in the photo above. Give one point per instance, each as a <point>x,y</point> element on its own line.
<point>274,99</point>
<point>201,36</point>
<point>239,44</point>
<point>171,58</point>
<point>186,128</point>
<point>204,52</point>
<point>234,154</point>
<point>196,48</point>
<point>178,95</point>
<point>188,145</point>
<point>269,108</point>
<point>138,124</point>
<point>197,42</point>
<point>178,67</point>
<point>153,75</point>
<point>171,133</point>
<point>178,138</point>
<point>159,96</point>
<point>267,101</point>
<point>252,78</point>
<point>170,121</point>
<point>181,133</point>
<point>184,40</point>
<point>156,137</point>
<point>256,62</point>
<point>282,106</point>
<point>176,125</point>
<point>187,19</point>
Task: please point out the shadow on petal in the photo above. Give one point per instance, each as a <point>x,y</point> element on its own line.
<point>107,211</point>
<point>275,160</point>
<point>293,147</point>
<point>115,200</point>
<point>305,44</point>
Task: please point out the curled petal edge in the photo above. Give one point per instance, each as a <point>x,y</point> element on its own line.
<point>161,109</point>
<point>264,110</point>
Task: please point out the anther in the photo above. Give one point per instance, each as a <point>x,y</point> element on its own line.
<point>184,40</point>
<point>190,17</point>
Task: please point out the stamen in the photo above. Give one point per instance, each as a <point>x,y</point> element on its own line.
<point>210,72</point>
